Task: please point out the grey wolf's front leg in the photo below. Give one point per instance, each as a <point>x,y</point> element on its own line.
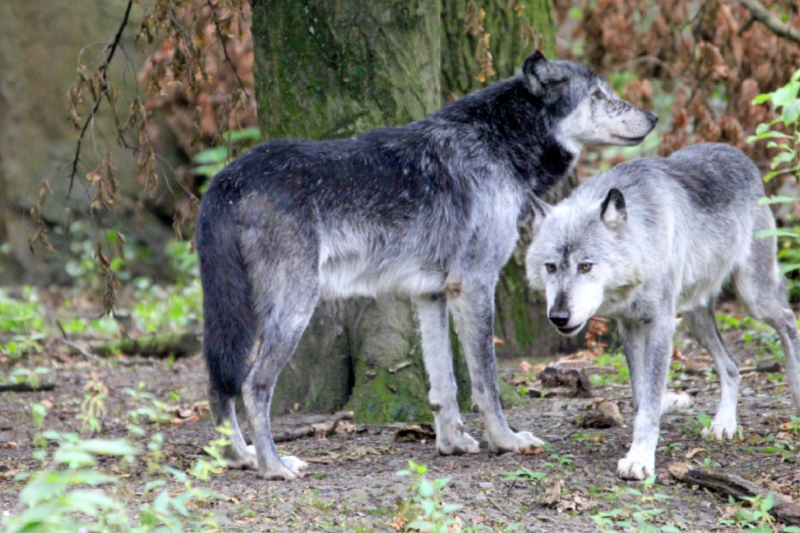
<point>473,310</point>
<point>451,439</point>
<point>639,463</point>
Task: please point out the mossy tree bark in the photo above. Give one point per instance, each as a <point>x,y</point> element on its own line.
<point>333,69</point>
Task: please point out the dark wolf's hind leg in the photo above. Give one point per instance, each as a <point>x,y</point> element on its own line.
<point>223,413</point>
<point>759,287</point>
<point>703,324</point>
<point>285,289</point>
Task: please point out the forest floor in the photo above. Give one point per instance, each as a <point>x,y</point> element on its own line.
<point>351,483</point>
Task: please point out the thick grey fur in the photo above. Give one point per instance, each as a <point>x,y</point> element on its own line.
<point>429,209</point>
<point>660,237</point>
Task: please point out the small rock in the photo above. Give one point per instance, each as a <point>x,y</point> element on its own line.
<point>486,486</point>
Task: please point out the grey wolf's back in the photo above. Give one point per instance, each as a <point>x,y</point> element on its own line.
<point>716,174</point>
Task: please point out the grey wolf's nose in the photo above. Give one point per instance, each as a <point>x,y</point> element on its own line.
<point>559,318</point>
<point>652,117</point>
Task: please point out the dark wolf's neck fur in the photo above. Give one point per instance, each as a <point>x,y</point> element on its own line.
<point>518,127</point>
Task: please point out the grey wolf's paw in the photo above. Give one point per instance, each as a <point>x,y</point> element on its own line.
<point>633,469</point>
<point>523,442</point>
<point>721,429</point>
<point>456,442</point>
<point>674,402</point>
<point>289,468</point>
<point>236,460</point>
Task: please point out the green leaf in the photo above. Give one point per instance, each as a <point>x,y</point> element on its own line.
<point>765,233</point>
<point>108,447</point>
<point>760,99</point>
<point>161,503</point>
<point>429,506</point>
<point>704,419</point>
<point>774,173</point>
<point>785,95</point>
<point>791,112</point>
<point>783,157</point>
<point>777,200</point>
<point>217,154</point>
<point>451,508</point>
<point>426,488</point>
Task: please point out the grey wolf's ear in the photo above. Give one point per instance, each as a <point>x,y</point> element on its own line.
<point>538,210</point>
<point>539,72</point>
<point>612,211</point>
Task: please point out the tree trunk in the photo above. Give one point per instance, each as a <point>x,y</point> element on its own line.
<point>333,69</point>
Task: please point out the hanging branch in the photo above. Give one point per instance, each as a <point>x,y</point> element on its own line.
<point>225,48</point>
<point>776,25</point>
<point>112,48</point>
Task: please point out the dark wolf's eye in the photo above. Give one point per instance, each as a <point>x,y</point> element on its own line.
<point>585,267</point>
<point>550,267</point>
<point>598,94</point>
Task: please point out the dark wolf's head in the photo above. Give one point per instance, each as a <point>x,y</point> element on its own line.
<point>586,110</point>
<point>578,258</point>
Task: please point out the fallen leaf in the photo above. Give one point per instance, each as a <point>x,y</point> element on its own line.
<point>693,452</point>
<point>415,433</point>
<point>10,445</point>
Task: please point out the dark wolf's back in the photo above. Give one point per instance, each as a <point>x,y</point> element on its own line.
<point>229,320</point>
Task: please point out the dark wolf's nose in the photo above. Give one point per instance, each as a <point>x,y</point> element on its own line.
<point>652,117</point>
<point>559,318</point>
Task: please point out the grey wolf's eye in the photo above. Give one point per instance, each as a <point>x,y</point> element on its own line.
<point>550,267</point>
<point>598,93</point>
<point>584,267</point>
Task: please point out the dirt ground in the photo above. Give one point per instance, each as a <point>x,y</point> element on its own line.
<point>351,484</point>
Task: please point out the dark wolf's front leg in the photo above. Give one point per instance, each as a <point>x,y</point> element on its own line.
<point>473,310</point>
<point>451,439</point>
<point>639,463</point>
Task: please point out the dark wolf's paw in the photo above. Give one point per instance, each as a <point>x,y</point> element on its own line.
<point>288,469</point>
<point>456,442</point>
<point>523,442</point>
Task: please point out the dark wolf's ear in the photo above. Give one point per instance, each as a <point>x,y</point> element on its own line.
<point>539,72</point>
<point>613,212</point>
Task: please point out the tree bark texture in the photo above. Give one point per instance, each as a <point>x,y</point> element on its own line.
<point>333,69</point>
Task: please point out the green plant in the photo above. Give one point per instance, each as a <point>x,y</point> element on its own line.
<point>635,516</point>
<point>785,101</point>
<point>524,475</point>
<point>426,510</point>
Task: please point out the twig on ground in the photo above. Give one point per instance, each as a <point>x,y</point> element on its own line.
<point>26,387</point>
<point>784,509</point>
<point>325,429</point>
<point>87,354</point>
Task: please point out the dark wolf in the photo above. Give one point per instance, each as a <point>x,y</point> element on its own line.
<point>429,209</point>
<point>652,238</point>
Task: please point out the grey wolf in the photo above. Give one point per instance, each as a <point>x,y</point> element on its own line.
<point>652,238</point>
<point>429,210</point>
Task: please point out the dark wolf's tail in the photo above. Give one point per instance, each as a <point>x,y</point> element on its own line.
<point>229,318</point>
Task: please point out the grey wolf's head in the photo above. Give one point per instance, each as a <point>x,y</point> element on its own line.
<point>592,113</point>
<point>576,257</point>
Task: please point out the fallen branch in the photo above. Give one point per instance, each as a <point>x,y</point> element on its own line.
<point>784,510</point>
<point>160,345</point>
<point>324,429</point>
<point>26,387</point>
<point>775,25</point>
